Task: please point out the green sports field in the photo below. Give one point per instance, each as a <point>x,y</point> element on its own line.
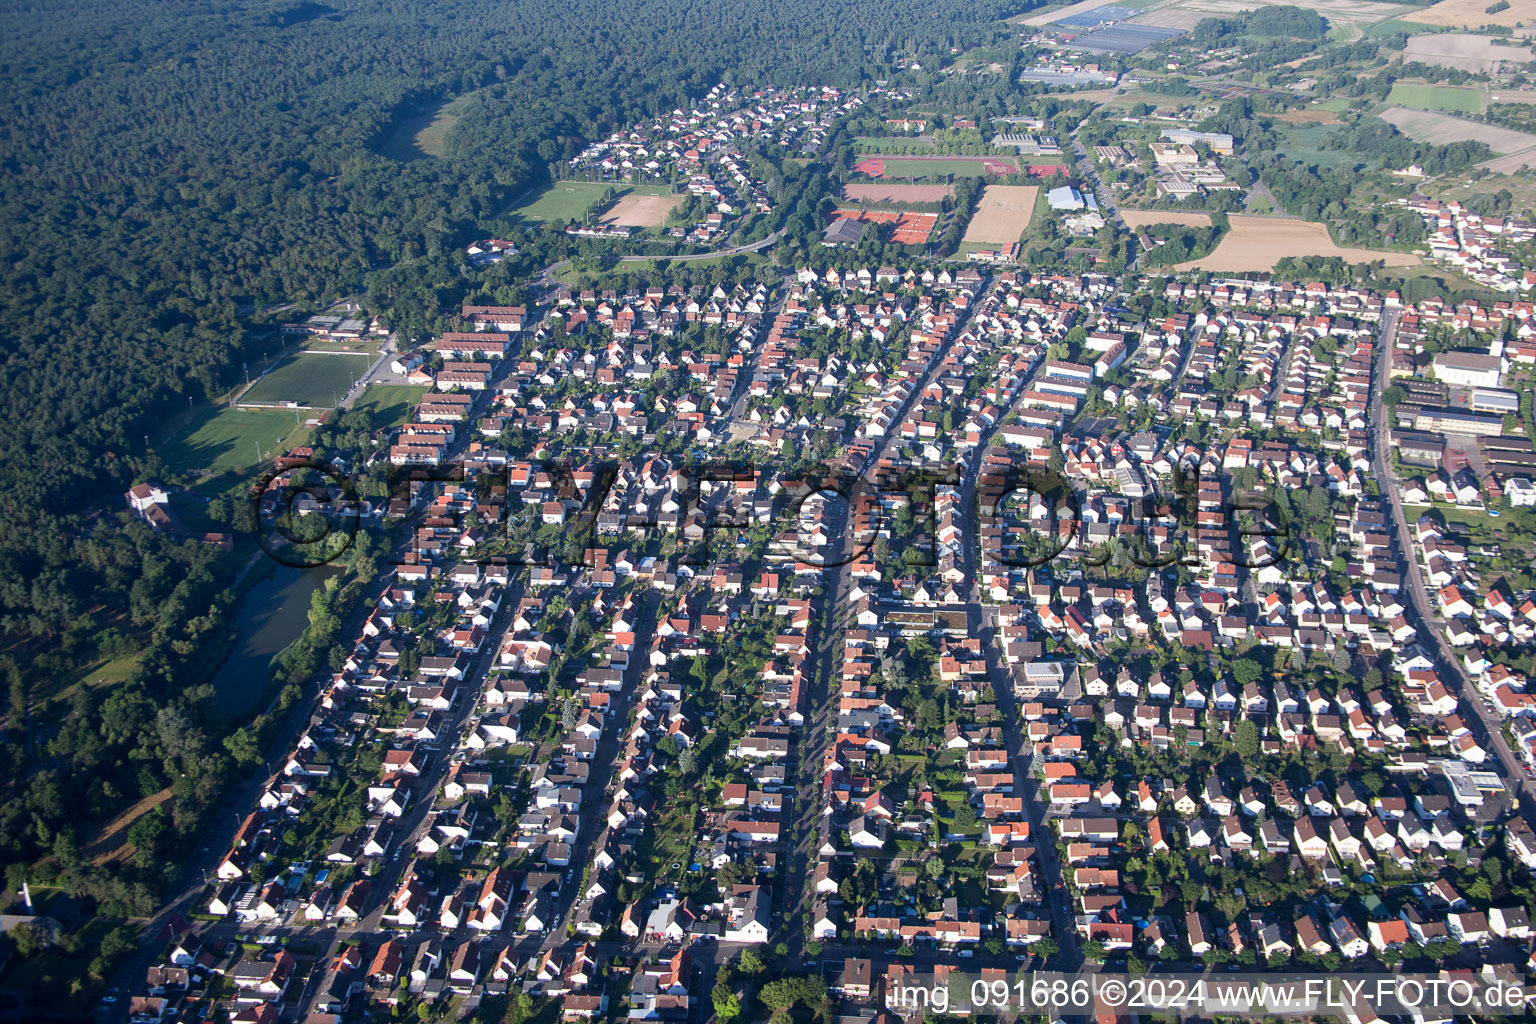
<point>568,200</point>
<point>389,405</point>
<point>310,379</point>
<point>896,167</point>
<point>1437,97</point>
<point>223,444</point>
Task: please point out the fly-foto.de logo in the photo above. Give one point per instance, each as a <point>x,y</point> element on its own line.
<point>554,513</point>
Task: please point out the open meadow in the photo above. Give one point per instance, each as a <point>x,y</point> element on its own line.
<point>1437,97</point>
<point>1258,243</point>
<point>424,133</point>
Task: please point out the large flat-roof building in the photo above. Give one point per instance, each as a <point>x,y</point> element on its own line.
<point>1495,400</point>
<point>1454,421</point>
<point>1469,369</point>
<point>1068,198</point>
<point>1220,142</point>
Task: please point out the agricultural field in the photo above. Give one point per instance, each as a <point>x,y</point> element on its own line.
<point>1002,215</point>
<point>1351,15</point>
<point>1257,243</point>
<point>1052,16</point>
<point>389,404</point>
<point>1466,52</point>
<point>1125,39</point>
<point>1511,163</point>
<point>1472,14</point>
<point>639,210</point>
<point>1183,218</point>
<point>309,379</point>
<point>225,443</point>
<point>1437,97</point>
<point>1439,129</point>
<point>897,193</point>
<point>932,166</point>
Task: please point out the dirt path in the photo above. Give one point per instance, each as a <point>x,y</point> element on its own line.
<point>114,834</point>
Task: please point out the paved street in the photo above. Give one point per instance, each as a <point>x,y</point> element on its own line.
<point>1431,628</point>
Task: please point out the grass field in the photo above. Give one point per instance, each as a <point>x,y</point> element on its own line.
<point>390,404</point>
<point>568,200</point>
<point>1437,97</point>
<point>222,443</point>
<point>1310,116</point>
<point>1304,142</point>
<point>426,133</point>
<point>1395,26</point>
<point>310,379</point>
<point>926,167</point>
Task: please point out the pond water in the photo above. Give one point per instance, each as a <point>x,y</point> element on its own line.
<point>270,617</point>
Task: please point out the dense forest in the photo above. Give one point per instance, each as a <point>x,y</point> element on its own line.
<point>172,170</point>
<point>165,168</point>
<point>1286,22</point>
